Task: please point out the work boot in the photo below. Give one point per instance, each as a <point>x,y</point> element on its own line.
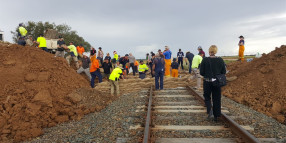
<point>210,115</point>
<point>216,119</point>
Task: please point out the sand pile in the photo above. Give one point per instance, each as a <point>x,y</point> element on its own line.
<point>261,84</point>
<point>134,84</point>
<point>36,92</point>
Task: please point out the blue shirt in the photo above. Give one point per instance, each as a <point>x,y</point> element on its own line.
<point>167,54</point>
<point>241,41</point>
<point>159,65</point>
<point>180,55</point>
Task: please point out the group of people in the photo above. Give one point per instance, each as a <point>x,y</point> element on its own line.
<point>161,64</point>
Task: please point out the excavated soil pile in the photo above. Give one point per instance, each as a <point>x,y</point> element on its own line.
<point>36,92</point>
<point>39,90</point>
<point>261,84</point>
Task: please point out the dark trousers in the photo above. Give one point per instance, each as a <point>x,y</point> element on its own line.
<point>93,76</point>
<point>190,66</point>
<point>215,92</point>
<point>180,61</point>
<point>151,69</point>
<point>101,60</point>
<point>45,49</point>
<point>142,75</point>
<point>133,68</point>
<point>158,75</point>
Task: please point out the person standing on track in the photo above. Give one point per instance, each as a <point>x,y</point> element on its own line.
<point>195,66</point>
<point>201,51</point>
<point>180,56</point>
<point>124,60</point>
<point>241,48</point>
<point>210,67</point>
<point>108,57</point>
<point>136,64</point>
<point>189,57</point>
<point>100,55</point>
<point>132,61</point>
<point>115,59</point>
<point>107,67</point>
<point>60,47</point>
<point>168,55</point>
<point>158,71</point>
<point>95,72</point>
<point>114,78</point>
<point>175,67</point>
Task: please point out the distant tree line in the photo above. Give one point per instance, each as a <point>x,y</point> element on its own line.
<point>37,28</point>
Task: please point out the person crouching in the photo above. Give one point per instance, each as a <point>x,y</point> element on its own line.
<point>114,78</point>
<point>175,66</point>
<point>143,68</point>
<point>85,66</point>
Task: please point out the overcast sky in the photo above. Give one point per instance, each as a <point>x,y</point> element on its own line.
<point>141,26</point>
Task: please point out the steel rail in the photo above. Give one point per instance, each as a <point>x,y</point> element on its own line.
<point>147,131</point>
<point>235,127</point>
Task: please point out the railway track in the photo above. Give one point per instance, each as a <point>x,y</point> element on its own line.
<point>178,115</point>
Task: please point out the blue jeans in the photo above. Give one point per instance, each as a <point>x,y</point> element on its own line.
<point>158,75</point>
<point>45,49</point>
<point>190,66</point>
<point>93,76</point>
<point>142,75</point>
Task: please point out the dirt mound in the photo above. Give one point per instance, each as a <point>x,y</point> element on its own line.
<point>36,92</point>
<point>39,90</point>
<point>261,84</point>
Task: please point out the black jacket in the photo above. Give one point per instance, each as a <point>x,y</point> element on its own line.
<point>212,66</point>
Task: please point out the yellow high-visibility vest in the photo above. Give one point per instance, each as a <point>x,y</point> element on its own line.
<point>197,60</point>
<point>143,68</point>
<point>23,31</point>
<point>115,57</point>
<point>115,74</point>
<point>73,49</point>
<point>42,42</point>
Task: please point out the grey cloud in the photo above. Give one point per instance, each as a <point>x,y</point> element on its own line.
<point>140,26</point>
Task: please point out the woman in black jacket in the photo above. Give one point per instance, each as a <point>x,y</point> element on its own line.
<point>210,67</point>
